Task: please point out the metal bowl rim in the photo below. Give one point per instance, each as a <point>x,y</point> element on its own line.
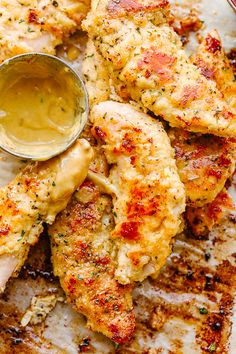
<point>232,4</point>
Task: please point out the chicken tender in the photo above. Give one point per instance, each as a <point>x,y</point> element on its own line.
<point>83,258</point>
<point>149,196</point>
<point>214,65</point>
<point>204,164</point>
<point>208,160</point>
<point>27,26</point>
<point>34,197</point>
<point>83,254</point>
<point>95,75</point>
<point>147,63</point>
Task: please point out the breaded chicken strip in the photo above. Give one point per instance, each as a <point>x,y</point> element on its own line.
<point>83,255</point>
<point>83,258</point>
<point>38,25</point>
<point>34,197</point>
<point>95,75</point>
<point>149,196</point>
<point>204,164</point>
<point>146,60</point>
<point>214,65</point>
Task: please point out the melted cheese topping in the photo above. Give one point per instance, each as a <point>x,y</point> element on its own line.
<point>103,183</point>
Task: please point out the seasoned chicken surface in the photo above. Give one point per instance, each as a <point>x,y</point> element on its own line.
<point>149,197</point>
<point>147,63</point>
<point>214,65</point>
<point>95,75</point>
<point>83,258</point>
<point>200,221</point>
<point>83,254</point>
<point>34,197</point>
<point>204,164</point>
<point>38,25</point>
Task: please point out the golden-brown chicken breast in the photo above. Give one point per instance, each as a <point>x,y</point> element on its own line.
<point>214,65</point>
<point>34,197</point>
<point>83,258</point>
<point>27,26</point>
<point>146,60</point>
<point>204,164</point>
<point>149,197</point>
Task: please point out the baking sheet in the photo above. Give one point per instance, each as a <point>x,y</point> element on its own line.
<point>64,331</point>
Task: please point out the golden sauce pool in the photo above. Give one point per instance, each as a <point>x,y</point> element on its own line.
<point>40,108</point>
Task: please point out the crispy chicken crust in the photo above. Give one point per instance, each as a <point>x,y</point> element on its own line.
<point>214,65</point>
<point>200,221</point>
<point>83,255</point>
<point>34,197</point>
<point>95,75</point>
<point>149,196</point>
<point>83,258</point>
<point>204,164</point>
<point>147,63</point>
<point>209,160</point>
<point>27,26</point>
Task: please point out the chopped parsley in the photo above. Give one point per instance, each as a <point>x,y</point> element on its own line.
<point>116,345</point>
<point>212,347</point>
<point>21,235</point>
<point>30,30</point>
<point>203,311</point>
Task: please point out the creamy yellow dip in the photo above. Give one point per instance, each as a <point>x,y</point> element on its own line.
<point>41,108</point>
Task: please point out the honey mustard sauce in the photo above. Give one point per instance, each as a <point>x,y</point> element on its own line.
<point>40,109</point>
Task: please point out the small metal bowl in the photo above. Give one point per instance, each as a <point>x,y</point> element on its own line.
<point>233,4</point>
<point>28,63</point>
